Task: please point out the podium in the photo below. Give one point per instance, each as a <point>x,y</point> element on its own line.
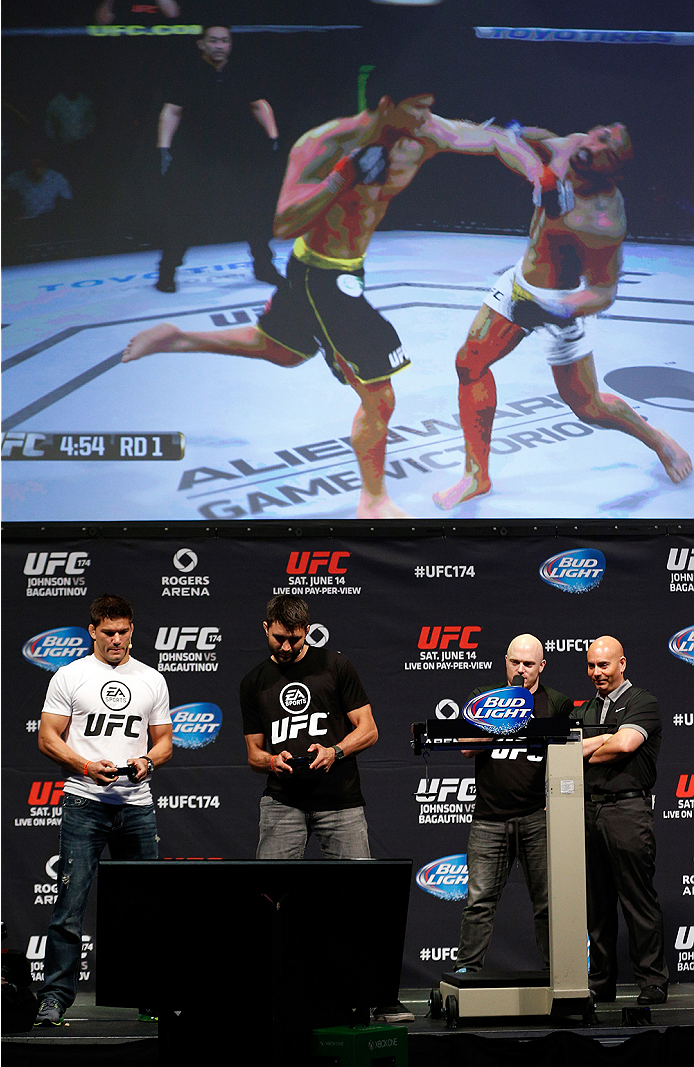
<point>564,988</point>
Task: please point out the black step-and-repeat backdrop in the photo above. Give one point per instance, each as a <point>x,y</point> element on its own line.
<point>424,621</point>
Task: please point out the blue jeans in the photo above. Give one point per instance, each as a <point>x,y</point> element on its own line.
<point>87,827</point>
<point>284,832</point>
<point>492,847</point>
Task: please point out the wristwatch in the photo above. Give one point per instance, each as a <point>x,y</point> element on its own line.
<point>339,754</point>
<point>150,766</point>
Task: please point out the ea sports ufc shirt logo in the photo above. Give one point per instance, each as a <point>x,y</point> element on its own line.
<point>115,695</point>
<point>295,698</point>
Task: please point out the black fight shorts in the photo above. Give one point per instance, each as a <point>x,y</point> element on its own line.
<point>324,310</point>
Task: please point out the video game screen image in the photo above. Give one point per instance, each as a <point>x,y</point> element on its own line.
<point>358,260</point>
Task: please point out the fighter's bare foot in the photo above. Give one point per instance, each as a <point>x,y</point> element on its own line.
<point>676,461</point>
<point>379,507</point>
<point>162,338</point>
<point>468,487</point>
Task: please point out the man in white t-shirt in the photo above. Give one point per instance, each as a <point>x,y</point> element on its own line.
<point>96,718</point>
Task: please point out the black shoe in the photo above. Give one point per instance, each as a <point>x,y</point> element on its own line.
<point>165,283</point>
<point>652,994</point>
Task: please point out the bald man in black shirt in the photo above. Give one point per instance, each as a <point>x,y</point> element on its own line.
<point>621,739</point>
<point>509,818</point>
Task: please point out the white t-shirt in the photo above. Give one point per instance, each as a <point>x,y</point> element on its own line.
<point>109,710</point>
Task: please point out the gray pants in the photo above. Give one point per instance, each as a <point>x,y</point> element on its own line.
<point>284,832</point>
<point>492,847</point>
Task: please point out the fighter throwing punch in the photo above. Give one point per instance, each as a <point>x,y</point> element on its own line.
<point>339,182</point>
<point>569,272</point>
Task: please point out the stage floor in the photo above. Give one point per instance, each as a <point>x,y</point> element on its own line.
<point>262,442</point>
<point>88,1024</point>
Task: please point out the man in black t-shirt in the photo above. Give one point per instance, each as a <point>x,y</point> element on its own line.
<point>216,138</point>
<point>509,817</point>
<point>621,739</point>
<point>308,704</point>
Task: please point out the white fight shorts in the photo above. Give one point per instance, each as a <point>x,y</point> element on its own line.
<point>563,344</point>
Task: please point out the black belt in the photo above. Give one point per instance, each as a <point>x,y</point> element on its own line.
<point>610,798</point>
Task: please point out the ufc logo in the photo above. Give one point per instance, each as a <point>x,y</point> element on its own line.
<point>443,636</point>
<point>50,562</point>
<point>292,727</point>
<point>204,638</point>
<point>40,793</point>
<point>685,786</point>
<point>681,559</point>
<point>98,724</point>
<point>312,562</point>
<point>442,790</point>
<point>25,442</point>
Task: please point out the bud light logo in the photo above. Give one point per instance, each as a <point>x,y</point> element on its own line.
<point>195,725</point>
<point>502,711</point>
<point>576,571</point>
<point>445,878</point>
<point>682,644</point>
<point>54,648</point>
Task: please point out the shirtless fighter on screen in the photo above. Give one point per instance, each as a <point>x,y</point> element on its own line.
<point>339,182</point>
<point>569,272</point>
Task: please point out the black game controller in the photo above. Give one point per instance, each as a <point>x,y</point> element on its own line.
<point>123,772</point>
<point>301,765</point>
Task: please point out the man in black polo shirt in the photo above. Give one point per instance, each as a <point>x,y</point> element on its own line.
<point>621,731</point>
<point>216,137</point>
<point>509,818</point>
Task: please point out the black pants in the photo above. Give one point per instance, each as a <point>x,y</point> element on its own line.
<point>211,201</point>
<point>620,861</point>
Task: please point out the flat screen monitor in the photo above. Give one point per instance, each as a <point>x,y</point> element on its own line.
<point>307,941</point>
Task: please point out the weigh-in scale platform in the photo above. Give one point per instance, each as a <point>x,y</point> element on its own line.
<point>564,988</point>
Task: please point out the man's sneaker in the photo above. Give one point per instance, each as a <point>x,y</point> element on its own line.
<point>395,1013</point>
<point>50,1013</point>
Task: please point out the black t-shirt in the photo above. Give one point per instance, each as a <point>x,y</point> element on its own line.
<point>217,121</point>
<point>634,707</point>
<point>510,783</point>
<point>296,706</point>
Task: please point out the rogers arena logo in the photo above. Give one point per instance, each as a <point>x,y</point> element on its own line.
<point>681,644</point>
<point>502,711</point>
<point>184,583</point>
<point>318,635</point>
<point>576,571</point>
<point>54,648</point>
<point>196,725</point>
<point>445,878</point>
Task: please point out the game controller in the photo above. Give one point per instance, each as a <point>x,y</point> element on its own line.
<point>123,772</point>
